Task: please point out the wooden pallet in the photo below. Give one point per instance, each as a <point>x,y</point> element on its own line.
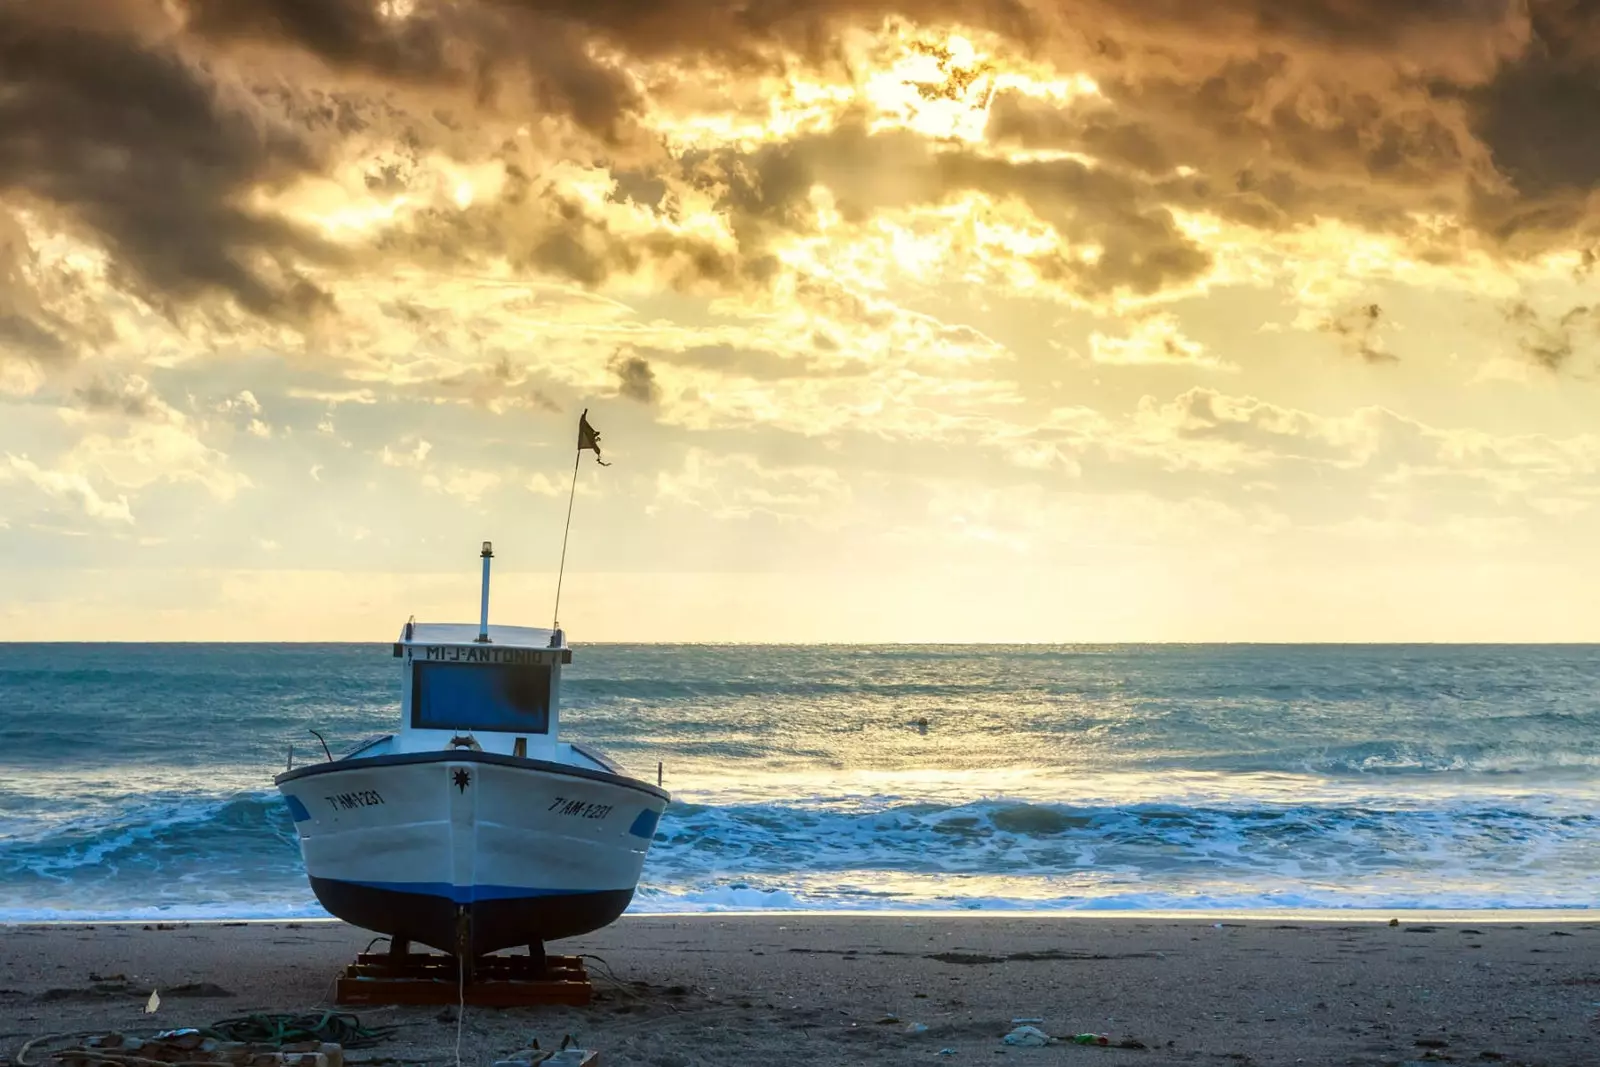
<point>494,982</point>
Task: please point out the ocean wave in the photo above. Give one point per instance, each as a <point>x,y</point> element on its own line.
<point>1150,840</point>
<point>235,856</point>
<point>745,899</point>
<point>1395,758</point>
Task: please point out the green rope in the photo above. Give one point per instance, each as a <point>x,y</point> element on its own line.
<point>336,1027</point>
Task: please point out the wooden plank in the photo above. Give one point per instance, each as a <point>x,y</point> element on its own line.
<point>497,981</point>
<point>484,994</point>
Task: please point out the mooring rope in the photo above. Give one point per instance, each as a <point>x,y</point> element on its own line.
<point>339,1028</point>
<point>461,1002</point>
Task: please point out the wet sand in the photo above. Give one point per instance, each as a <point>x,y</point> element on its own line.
<point>781,990</point>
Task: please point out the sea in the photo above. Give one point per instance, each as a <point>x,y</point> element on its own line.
<point>136,780</point>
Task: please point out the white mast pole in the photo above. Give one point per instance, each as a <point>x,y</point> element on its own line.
<point>483,613</point>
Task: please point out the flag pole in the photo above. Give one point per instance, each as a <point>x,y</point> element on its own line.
<point>577,458</point>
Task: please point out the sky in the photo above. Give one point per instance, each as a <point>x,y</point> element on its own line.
<point>900,320</point>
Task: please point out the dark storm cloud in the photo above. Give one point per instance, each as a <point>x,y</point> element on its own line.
<point>23,336</point>
<point>536,226</point>
<point>343,32</point>
<point>1537,115</point>
<point>1142,250</point>
<point>1361,157</point>
<point>128,142</point>
<point>479,41</point>
<point>489,52</point>
<point>636,380</point>
<point>150,136</point>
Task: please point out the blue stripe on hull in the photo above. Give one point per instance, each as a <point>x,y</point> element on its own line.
<point>467,894</point>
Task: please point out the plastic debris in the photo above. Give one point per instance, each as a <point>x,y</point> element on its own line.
<point>153,1003</point>
<point>1025,1021</point>
<point>333,1027</point>
<point>917,1028</point>
<point>1027,1037</point>
<point>947,1052</point>
<point>573,1057</point>
<point>192,1048</point>
<point>567,1057</point>
<point>1090,1039</point>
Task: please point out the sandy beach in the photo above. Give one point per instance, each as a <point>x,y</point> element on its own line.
<point>786,989</point>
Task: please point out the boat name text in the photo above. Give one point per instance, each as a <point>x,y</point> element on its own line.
<point>482,654</point>
<point>580,809</point>
<point>366,798</point>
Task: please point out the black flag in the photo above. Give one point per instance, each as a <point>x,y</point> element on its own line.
<point>589,437</point>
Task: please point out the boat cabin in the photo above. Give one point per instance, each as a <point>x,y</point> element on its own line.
<point>456,684</point>
<point>488,688</point>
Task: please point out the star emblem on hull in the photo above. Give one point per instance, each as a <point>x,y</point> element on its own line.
<point>461,778</point>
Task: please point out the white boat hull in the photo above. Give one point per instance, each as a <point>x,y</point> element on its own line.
<point>471,851</point>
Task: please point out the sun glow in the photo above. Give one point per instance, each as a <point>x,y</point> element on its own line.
<point>938,85</point>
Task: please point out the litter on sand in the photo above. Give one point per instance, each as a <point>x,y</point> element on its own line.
<point>567,1057</point>
<point>191,1047</point>
<point>1027,1037</point>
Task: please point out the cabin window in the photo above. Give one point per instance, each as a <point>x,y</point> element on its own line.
<point>475,696</point>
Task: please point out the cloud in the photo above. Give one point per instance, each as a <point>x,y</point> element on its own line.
<point>169,451</point>
<point>24,335</point>
<point>741,486</point>
<point>559,220</point>
<point>635,379</point>
<point>1534,118</point>
<point>1154,339</point>
<point>44,318</point>
<point>1357,330</point>
<point>132,397</point>
<point>244,402</point>
<point>120,134</point>
<point>405,454</point>
<point>1369,457</point>
<point>267,151</point>
<point>1551,342</point>
<point>1115,232</point>
<point>1504,369</point>
<point>497,387</point>
<point>412,453</point>
<point>469,485</point>
<point>67,485</point>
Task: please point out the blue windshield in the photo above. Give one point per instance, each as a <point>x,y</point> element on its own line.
<point>475,696</point>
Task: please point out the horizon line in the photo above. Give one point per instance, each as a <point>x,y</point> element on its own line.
<point>890,643</point>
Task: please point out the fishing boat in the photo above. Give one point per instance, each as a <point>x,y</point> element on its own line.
<point>474,827</point>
